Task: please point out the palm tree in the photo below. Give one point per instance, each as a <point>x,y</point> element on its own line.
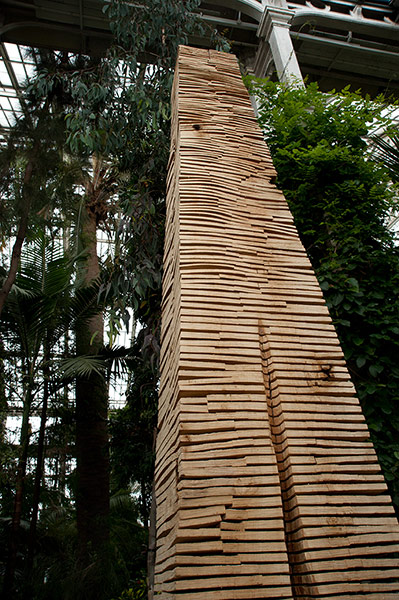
<point>41,308</point>
<point>33,154</point>
<point>58,572</point>
<point>388,153</point>
<point>92,454</point>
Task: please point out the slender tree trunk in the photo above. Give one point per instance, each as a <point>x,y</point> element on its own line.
<point>3,397</point>
<point>92,496</point>
<point>8,583</point>
<point>21,234</point>
<point>152,530</point>
<point>151,547</point>
<point>61,475</point>
<point>145,513</point>
<point>63,450</point>
<point>38,476</point>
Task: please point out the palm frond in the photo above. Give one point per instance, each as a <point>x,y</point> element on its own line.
<point>22,292</point>
<point>54,515</point>
<point>57,276</point>
<point>387,152</point>
<point>117,358</point>
<point>122,501</point>
<point>42,290</point>
<point>14,323</point>
<point>82,366</point>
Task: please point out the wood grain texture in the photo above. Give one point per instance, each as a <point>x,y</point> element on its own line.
<point>267,485</point>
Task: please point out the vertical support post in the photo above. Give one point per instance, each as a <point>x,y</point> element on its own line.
<point>276,44</point>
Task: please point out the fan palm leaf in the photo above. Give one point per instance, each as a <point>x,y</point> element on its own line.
<point>82,366</point>
<point>113,359</point>
<point>45,299</point>
<point>387,151</point>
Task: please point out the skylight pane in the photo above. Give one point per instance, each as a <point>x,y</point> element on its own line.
<point>19,72</point>
<point>12,51</point>
<point>4,78</point>
<point>15,105</point>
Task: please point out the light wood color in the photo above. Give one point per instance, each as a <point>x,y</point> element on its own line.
<point>267,485</point>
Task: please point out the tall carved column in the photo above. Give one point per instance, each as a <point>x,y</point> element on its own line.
<point>267,485</point>
<point>275,46</point>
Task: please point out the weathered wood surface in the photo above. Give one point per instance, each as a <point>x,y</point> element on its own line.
<point>267,485</point>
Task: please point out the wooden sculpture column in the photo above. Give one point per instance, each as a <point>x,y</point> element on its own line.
<point>267,485</point>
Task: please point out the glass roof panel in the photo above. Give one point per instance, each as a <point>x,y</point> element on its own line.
<point>16,67</point>
<point>5,80</point>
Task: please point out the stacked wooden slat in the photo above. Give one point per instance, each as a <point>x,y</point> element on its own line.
<point>266,483</point>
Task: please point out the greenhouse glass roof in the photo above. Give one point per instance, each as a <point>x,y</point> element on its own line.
<point>16,67</point>
<point>336,41</point>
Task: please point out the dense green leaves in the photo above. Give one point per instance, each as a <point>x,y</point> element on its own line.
<point>133,429</point>
<point>341,198</point>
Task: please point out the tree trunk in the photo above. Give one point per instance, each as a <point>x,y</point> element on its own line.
<point>152,533</point>
<point>38,478</point>
<point>3,397</point>
<point>92,494</point>
<point>151,546</point>
<point>8,583</point>
<point>21,234</point>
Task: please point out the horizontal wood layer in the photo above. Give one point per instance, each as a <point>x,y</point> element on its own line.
<point>267,485</point>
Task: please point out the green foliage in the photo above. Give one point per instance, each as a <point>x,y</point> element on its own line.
<point>340,199</point>
<point>132,432</point>
<point>44,302</point>
<point>138,590</point>
<point>115,102</point>
<point>57,571</point>
<point>147,39</point>
<point>118,107</point>
<point>36,141</point>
